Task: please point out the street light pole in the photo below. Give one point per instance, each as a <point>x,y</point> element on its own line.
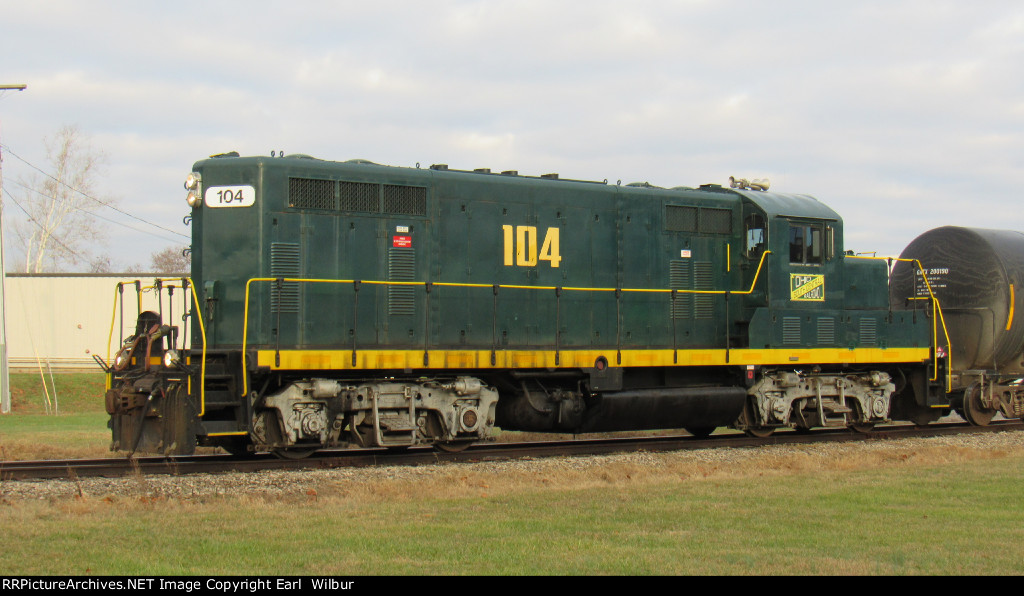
<point>5,385</point>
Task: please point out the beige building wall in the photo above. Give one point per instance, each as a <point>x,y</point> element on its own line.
<point>62,320</point>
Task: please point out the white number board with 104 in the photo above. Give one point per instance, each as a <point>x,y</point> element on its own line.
<point>230,196</point>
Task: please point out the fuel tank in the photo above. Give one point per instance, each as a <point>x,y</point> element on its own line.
<point>978,277</point>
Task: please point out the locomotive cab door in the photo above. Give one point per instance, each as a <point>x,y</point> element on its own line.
<point>806,251</point>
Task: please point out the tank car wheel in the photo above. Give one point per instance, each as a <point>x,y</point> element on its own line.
<point>452,446</point>
<point>292,453</point>
<point>974,411</point>
<point>700,431</point>
<point>863,427</point>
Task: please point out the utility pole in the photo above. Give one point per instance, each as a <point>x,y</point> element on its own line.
<point>5,377</point>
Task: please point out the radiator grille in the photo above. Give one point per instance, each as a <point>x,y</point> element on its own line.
<point>826,330</point>
<point>706,220</point>
<point>401,267</point>
<point>680,278</point>
<point>791,330</point>
<point>306,193</point>
<point>868,331</point>
<point>680,219</point>
<point>405,200</point>
<point>359,196</point>
<point>703,304</point>
<point>715,221</point>
<point>363,197</point>
<point>284,262</point>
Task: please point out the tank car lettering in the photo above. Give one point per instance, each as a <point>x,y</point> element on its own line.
<point>523,244</point>
<point>230,196</point>
<point>936,280</point>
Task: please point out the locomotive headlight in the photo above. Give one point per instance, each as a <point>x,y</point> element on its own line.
<point>193,180</point>
<point>172,358</point>
<point>193,183</point>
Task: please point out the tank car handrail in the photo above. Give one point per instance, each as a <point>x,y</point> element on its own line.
<point>937,315</point>
<point>248,285</point>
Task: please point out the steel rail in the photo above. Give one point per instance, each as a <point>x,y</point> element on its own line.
<point>354,458</point>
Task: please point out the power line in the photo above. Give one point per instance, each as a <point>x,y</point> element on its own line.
<point>101,202</point>
<point>42,227</point>
<point>113,221</point>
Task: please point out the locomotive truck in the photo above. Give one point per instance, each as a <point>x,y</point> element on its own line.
<point>351,303</point>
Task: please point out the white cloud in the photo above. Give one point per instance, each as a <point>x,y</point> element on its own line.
<point>890,111</point>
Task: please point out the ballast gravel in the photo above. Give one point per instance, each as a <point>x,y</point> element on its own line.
<point>304,483</point>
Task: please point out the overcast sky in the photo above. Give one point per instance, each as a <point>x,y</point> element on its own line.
<point>902,115</point>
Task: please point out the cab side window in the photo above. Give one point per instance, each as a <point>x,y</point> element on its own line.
<point>809,243</point>
<point>756,235</point>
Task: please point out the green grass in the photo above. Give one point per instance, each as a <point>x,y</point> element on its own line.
<point>74,424</point>
<point>65,392</point>
<point>949,520</point>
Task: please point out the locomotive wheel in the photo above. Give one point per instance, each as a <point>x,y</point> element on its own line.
<point>700,431</point>
<point>974,411</point>
<point>293,454</point>
<point>748,420</point>
<point>274,437</point>
<point>860,427</point>
<point>452,446</point>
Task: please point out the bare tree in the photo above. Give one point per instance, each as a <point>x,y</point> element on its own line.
<point>104,263</point>
<point>173,259</point>
<point>60,227</point>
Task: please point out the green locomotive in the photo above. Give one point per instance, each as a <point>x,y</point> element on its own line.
<point>336,303</point>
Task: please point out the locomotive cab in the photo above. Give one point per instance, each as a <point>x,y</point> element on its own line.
<point>826,323</point>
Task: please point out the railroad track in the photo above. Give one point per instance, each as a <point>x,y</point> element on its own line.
<point>345,458</point>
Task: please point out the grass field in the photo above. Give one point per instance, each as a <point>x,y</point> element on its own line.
<point>66,419</point>
<point>957,519</point>
<point>906,511</point>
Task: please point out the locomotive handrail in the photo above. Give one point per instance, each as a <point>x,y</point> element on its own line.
<point>202,329</point>
<point>937,315</point>
<point>248,285</point>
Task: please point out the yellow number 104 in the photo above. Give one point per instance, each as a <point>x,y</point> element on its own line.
<point>523,244</point>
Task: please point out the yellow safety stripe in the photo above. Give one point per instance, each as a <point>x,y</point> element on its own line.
<point>481,359</point>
